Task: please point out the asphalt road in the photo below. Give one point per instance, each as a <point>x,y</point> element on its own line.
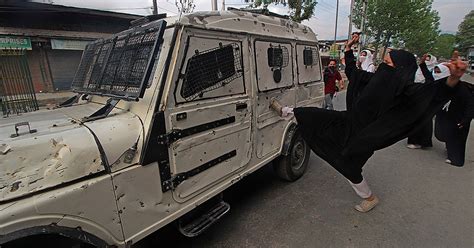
<point>424,203</point>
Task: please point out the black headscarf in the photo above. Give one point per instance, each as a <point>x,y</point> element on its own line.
<point>405,64</point>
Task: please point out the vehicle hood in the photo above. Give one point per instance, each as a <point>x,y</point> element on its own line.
<point>62,149</point>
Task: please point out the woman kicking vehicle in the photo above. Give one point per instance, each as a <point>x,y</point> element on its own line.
<point>382,108</point>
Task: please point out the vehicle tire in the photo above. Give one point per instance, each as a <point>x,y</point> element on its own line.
<point>292,166</point>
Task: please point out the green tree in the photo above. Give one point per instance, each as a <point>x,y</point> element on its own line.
<point>411,24</point>
<point>419,34</point>
<point>444,46</point>
<point>300,10</point>
<point>465,35</point>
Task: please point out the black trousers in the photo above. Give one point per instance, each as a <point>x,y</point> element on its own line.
<point>423,135</point>
<point>446,130</point>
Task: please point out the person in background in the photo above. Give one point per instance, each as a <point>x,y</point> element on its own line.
<point>366,60</point>
<point>422,138</point>
<point>331,76</point>
<point>430,62</point>
<point>453,122</point>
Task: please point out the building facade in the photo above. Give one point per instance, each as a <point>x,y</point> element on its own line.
<point>41,46</point>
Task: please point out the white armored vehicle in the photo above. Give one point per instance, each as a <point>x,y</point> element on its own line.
<point>168,114</point>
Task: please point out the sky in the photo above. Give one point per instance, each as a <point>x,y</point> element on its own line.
<point>451,12</point>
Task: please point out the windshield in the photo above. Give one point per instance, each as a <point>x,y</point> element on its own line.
<point>121,65</point>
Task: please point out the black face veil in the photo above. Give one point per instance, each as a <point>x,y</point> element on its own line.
<point>405,65</point>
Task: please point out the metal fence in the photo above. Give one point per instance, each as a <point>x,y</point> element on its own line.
<point>17,94</point>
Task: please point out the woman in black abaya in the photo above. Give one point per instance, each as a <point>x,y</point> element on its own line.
<point>382,108</point>
<point>453,122</point>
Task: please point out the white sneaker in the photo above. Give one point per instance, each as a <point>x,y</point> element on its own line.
<point>447,161</point>
<point>413,146</point>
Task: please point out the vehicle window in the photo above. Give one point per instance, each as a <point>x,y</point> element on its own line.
<point>277,56</point>
<point>310,56</point>
<point>120,66</point>
<point>274,68</point>
<point>309,69</point>
<point>214,69</point>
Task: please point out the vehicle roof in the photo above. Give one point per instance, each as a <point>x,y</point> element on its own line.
<point>245,22</point>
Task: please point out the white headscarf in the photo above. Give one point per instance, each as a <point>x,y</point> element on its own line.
<point>431,63</point>
<point>444,72</point>
<point>419,78</point>
<point>367,62</point>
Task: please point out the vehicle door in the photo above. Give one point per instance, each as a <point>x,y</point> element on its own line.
<point>208,118</point>
<point>274,60</point>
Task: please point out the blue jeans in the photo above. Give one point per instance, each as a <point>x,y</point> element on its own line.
<point>327,104</point>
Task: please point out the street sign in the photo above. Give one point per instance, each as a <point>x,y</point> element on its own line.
<point>15,43</point>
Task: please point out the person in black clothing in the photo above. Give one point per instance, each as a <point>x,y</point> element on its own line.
<point>453,123</point>
<point>422,138</point>
<point>382,108</point>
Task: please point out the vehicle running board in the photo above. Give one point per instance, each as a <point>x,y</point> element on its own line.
<point>199,223</point>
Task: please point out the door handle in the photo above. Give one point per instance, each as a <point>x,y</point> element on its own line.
<point>240,106</point>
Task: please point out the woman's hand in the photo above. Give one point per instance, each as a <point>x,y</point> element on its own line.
<point>354,40</point>
<point>457,68</point>
<point>423,59</point>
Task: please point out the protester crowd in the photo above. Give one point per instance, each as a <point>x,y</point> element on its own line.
<point>451,123</point>
<point>396,100</point>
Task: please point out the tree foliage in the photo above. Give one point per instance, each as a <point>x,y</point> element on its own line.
<point>420,33</point>
<point>444,46</point>
<point>465,35</point>
<point>300,10</point>
<point>410,24</point>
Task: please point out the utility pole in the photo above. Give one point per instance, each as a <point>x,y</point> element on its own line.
<point>337,13</point>
<point>362,23</point>
<point>349,35</point>
<point>214,4</point>
<point>155,8</point>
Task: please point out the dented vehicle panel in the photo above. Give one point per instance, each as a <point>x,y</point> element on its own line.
<point>55,154</point>
<point>168,115</point>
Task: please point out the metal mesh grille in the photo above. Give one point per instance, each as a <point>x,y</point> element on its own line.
<point>119,66</point>
<point>211,69</point>
<point>278,56</point>
<point>310,56</point>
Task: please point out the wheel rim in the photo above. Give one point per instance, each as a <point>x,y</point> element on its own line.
<point>298,154</point>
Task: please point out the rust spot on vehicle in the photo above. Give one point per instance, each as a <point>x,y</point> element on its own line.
<point>15,186</point>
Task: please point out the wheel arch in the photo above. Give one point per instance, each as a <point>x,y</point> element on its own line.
<point>72,227</point>
<point>72,233</point>
<point>288,137</point>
